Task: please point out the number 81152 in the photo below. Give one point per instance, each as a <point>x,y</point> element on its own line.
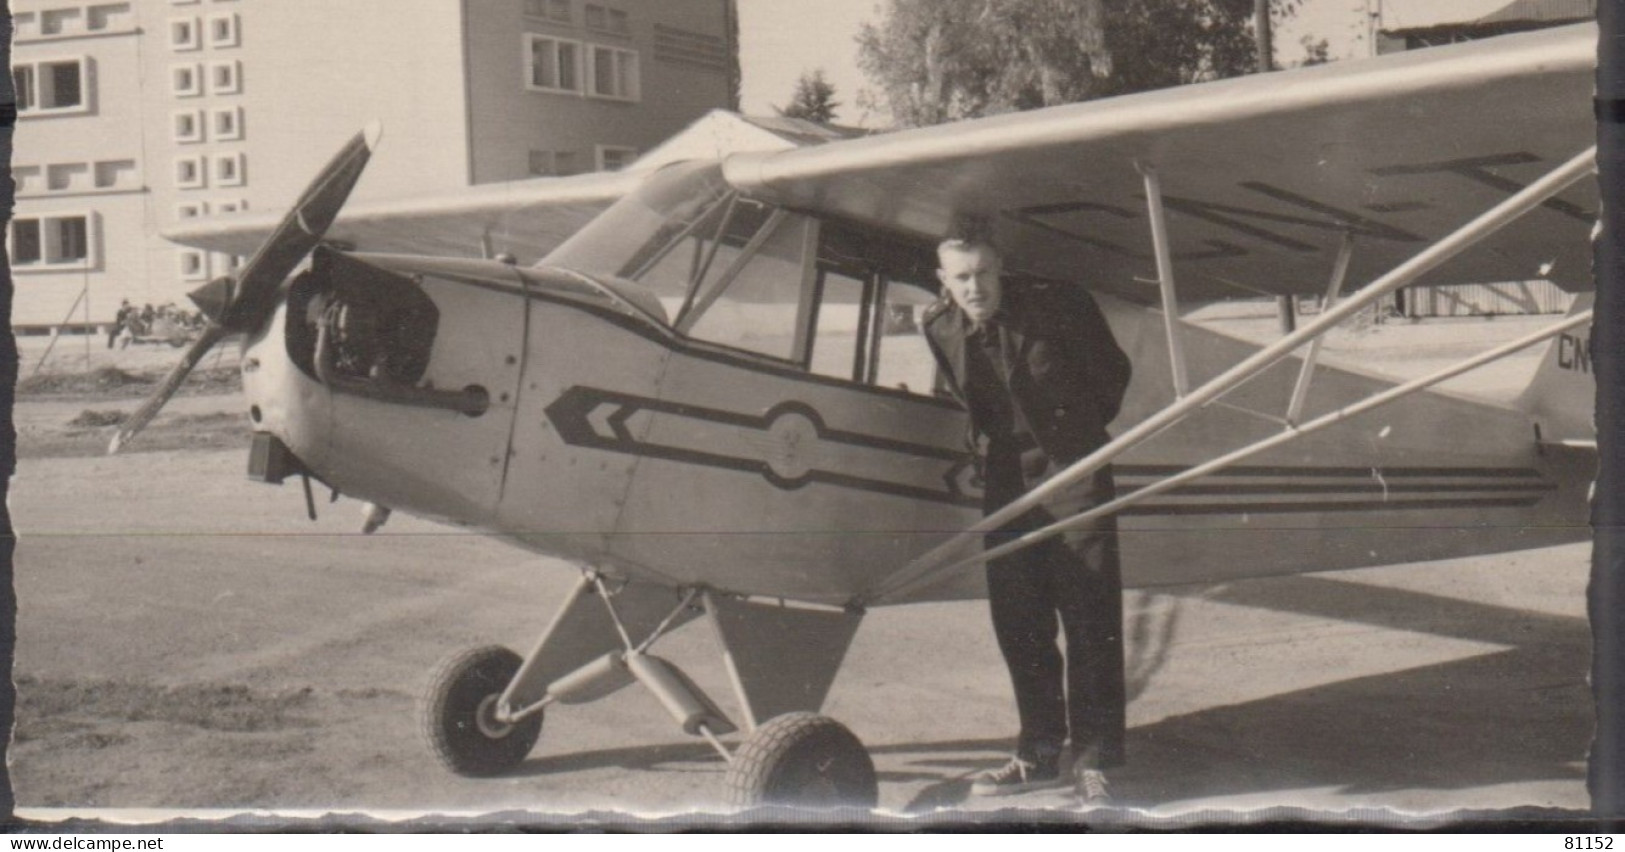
<point>1588,841</point>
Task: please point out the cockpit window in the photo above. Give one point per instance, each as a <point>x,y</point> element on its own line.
<point>874,288</point>
<point>728,270</point>
<point>642,237</point>
<point>757,300</point>
<point>840,300</point>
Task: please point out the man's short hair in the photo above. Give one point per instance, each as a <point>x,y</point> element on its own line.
<point>967,231</point>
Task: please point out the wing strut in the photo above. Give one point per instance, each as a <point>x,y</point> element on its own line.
<point>1340,271</point>
<point>1165,280</point>
<point>931,566</point>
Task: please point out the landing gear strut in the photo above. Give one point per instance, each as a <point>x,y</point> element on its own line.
<point>483,711</point>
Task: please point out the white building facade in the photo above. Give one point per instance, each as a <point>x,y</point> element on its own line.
<point>136,114</point>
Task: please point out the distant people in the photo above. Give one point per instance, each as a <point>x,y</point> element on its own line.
<point>119,320</point>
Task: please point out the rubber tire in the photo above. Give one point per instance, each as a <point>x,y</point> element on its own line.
<point>451,706</point>
<point>802,760</point>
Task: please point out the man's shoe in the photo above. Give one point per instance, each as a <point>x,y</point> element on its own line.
<point>1017,776</point>
<point>1091,788</point>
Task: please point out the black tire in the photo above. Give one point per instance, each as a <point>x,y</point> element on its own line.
<point>457,714</point>
<point>802,760</point>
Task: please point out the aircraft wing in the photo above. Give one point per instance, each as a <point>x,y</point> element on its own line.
<point>1261,176</point>
<point>525,218</point>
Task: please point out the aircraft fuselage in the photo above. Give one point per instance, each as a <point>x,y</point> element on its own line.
<point>610,440</point>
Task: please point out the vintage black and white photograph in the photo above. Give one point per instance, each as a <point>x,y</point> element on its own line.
<point>1095,412</point>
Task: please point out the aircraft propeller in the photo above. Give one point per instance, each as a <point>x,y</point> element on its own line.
<point>243,303</point>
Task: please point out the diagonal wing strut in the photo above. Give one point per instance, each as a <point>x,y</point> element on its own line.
<point>948,557</point>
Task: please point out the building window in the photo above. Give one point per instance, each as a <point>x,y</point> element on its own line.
<point>58,21</point>
<point>230,206</point>
<point>229,264</point>
<point>183,34</point>
<point>109,16</point>
<point>50,86</point>
<point>608,20</point>
<point>194,264</point>
<point>554,64</point>
<point>191,210</point>
<point>613,158</point>
<point>555,163</point>
<point>541,162</point>
<point>183,2</point>
<point>225,78</point>
<point>228,170</point>
<point>24,25</point>
<point>228,124</point>
<point>115,174</point>
<point>613,73</point>
<point>223,30</point>
<point>26,245</point>
<point>61,240</point>
<point>22,82</point>
<point>188,125</point>
<point>61,177</point>
<point>185,81</point>
<point>28,179</point>
<point>557,11</point>
<point>189,172</point>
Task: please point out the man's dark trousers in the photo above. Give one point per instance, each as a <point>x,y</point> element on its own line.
<point>1072,581</point>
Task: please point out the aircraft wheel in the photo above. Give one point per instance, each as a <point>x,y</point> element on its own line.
<point>459,714</point>
<point>802,760</point>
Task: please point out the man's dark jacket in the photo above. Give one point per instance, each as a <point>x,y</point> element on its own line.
<point>1067,375</point>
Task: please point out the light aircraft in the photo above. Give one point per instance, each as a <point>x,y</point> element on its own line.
<point>710,399</point>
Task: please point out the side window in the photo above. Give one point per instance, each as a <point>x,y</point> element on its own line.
<point>868,324</point>
<point>756,302</point>
<point>842,325</point>
<point>903,359</point>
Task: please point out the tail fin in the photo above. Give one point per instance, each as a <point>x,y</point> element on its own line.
<point>1562,397</point>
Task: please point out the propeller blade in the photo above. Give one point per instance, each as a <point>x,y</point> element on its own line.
<point>171,383</point>
<point>244,304</point>
<point>298,232</point>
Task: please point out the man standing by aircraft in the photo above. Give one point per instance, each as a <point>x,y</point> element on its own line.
<point>1041,375</point>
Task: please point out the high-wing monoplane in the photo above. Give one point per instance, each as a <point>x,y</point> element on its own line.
<point>710,395</point>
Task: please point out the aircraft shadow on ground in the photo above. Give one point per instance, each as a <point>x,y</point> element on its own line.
<point>1517,715</point>
<point>1397,609</point>
<point>666,757</point>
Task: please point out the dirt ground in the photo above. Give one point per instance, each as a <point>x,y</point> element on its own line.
<point>189,641</point>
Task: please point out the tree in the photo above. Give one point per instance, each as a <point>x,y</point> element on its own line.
<point>941,60</point>
<point>1315,52</point>
<point>730,15</point>
<point>814,99</point>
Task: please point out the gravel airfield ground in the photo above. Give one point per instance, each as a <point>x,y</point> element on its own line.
<point>189,641</point>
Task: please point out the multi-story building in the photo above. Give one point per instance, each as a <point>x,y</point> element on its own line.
<point>136,114</point>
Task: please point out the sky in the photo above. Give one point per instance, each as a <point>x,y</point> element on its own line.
<point>780,39</point>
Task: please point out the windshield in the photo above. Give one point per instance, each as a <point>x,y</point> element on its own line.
<point>641,234</point>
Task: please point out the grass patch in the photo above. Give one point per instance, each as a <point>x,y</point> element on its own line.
<point>90,419</point>
<point>47,706</point>
<point>114,383</point>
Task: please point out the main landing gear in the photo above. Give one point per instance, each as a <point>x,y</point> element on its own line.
<point>483,711</point>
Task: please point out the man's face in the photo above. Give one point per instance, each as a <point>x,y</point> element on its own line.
<point>971,274</point>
